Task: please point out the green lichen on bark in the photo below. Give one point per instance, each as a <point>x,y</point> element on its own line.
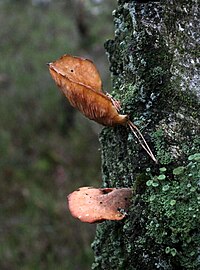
<point>153,62</point>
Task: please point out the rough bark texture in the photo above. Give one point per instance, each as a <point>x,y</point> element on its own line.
<point>154,66</point>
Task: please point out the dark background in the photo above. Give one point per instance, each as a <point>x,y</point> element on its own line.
<point>47,149</point>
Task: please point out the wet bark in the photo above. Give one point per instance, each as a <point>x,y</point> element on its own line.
<point>154,66</point>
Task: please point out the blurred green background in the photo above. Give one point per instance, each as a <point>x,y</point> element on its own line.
<point>47,149</point>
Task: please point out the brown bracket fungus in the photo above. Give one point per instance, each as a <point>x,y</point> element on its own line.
<point>81,83</point>
<point>98,204</point>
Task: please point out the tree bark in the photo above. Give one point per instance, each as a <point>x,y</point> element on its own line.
<point>154,66</point>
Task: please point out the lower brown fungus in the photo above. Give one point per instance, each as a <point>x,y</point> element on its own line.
<point>98,204</point>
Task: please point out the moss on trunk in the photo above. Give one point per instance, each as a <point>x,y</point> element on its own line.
<point>154,61</point>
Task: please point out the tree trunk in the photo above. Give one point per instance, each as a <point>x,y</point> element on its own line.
<point>153,61</point>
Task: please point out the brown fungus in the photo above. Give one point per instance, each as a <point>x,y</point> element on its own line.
<point>101,204</point>
<point>79,80</point>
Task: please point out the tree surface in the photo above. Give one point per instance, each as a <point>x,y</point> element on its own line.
<point>154,66</point>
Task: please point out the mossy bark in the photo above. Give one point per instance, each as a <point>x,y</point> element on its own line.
<point>154,66</point>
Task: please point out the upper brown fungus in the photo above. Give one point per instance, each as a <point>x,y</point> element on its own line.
<point>80,81</point>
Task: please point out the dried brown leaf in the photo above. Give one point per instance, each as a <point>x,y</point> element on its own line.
<point>80,81</point>
<point>94,105</point>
